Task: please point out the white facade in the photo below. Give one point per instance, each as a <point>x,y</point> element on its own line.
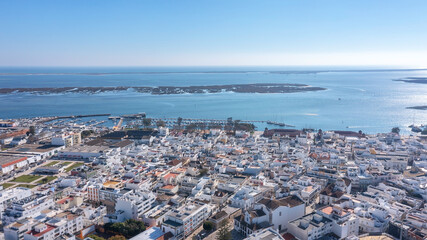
<point>283,214</point>
<point>184,220</point>
<point>372,219</point>
<point>41,231</point>
<point>27,207</point>
<point>344,223</point>
<point>12,195</point>
<point>245,198</point>
<point>135,204</point>
<point>67,139</point>
<point>16,230</point>
<point>66,223</point>
<point>310,227</point>
<point>93,193</point>
<point>281,211</point>
<point>14,164</point>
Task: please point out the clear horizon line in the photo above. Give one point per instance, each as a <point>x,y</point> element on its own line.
<point>161,66</point>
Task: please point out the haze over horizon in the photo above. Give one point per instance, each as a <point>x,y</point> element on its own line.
<point>220,33</point>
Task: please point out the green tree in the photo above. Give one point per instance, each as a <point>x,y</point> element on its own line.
<point>146,122</point>
<point>235,126</point>
<point>117,237</point>
<point>395,130</point>
<point>202,125</point>
<point>224,230</point>
<point>32,130</point>
<point>203,172</point>
<point>87,133</point>
<point>191,126</point>
<point>179,121</point>
<point>248,127</point>
<point>160,123</point>
<point>208,226</point>
<point>128,228</point>
<point>95,237</point>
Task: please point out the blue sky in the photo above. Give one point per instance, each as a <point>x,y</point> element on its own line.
<point>216,32</point>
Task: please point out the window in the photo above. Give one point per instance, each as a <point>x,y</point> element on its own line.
<point>280,213</point>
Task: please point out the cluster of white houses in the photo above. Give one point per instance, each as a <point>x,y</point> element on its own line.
<point>275,184</point>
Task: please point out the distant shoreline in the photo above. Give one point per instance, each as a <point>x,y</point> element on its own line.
<point>210,72</point>
<point>418,107</point>
<point>420,80</point>
<point>165,90</point>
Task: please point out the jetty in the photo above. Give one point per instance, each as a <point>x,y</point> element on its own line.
<point>222,122</point>
<point>279,124</point>
<point>119,125</point>
<point>47,119</point>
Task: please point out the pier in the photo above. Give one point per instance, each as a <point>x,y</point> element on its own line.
<point>119,125</point>
<point>137,118</point>
<point>82,116</point>
<point>222,122</point>
<point>47,119</point>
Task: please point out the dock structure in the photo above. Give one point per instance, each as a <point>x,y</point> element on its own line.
<point>222,122</point>
<point>279,124</point>
<point>114,118</point>
<point>170,122</point>
<point>47,119</point>
<point>119,125</point>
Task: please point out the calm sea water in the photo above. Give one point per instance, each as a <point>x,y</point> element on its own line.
<point>370,101</point>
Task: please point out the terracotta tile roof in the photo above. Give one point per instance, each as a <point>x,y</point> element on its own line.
<point>64,200</point>
<point>327,210</point>
<point>220,215</point>
<point>13,162</point>
<point>170,175</point>
<point>288,236</point>
<point>347,181</point>
<point>331,192</point>
<point>174,162</point>
<point>39,234</point>
<point>14,134</point>
<point>291,201</point>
